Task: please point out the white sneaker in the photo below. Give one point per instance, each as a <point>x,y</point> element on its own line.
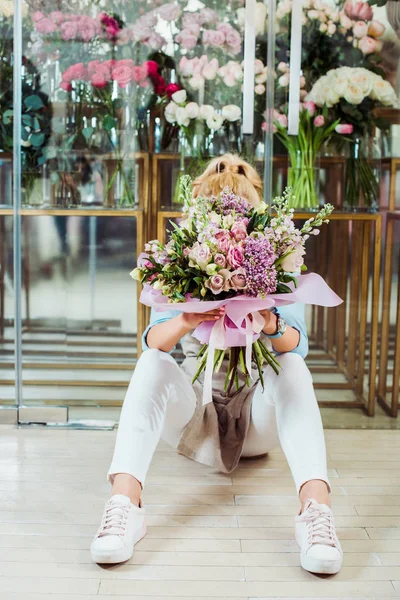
<point>320,550</point>
<point>122,526</point>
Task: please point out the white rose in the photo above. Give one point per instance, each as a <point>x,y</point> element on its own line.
<point>258,66</point>
<point>206,111</point>
<point>192,110</point>
<point>331,28</point>
<point>196,82</point>
<point>332,97</point>
<point>340,85</point>
<point>345,21</point>
<point>384,92</point>
<point>284,80</point>
<point>262,77</point>
<point>353,94</point>
<point>170,112</point>
<point>214,122</point>
<point>259,89</point>
<point>231,112</point>
<point>179,97</point>
<point>181,116</point>
<point>363,81</point>
<point>293,262</point>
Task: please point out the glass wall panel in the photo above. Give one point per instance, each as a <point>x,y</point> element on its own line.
<point>119,100</point>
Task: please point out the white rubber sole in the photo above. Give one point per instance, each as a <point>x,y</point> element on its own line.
<point>118,556</point>
<point>320,567</point>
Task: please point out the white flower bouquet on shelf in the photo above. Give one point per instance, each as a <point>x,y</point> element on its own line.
<point>353,95</point>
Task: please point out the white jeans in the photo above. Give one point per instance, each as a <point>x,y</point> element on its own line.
<point>160,401</point>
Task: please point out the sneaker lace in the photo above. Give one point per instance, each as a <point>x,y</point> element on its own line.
<point>321,529</point>
<point>114,519</point>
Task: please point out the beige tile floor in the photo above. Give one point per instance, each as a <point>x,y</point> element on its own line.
<point>210,536</point>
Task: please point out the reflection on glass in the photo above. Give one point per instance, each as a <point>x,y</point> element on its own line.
<point>79,304</point>
<point>7,374</point>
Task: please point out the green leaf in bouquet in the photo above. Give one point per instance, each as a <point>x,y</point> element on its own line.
<point>220,355</point>
<point>259,360</point>
<point>117,103</point>
<point>87,133</point>
<point>304,268</point>
<point>33,102</point>
<point>282,288</point>
<point>109,123</point>
<point>26,120</point>
<point>7,116</point>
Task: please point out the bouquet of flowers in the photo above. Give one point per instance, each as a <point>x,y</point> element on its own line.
<point>352,95</point>
<point>227,252</point>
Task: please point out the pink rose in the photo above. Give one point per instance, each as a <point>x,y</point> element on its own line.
<point>46,26</point>
<point>235,256</point>
<point>344,129</point>
<point>122,74</point>
<point>69,30</point>
<point>57,16</point>
<point>360,29</point>
<point>376,29</point>
<point>98,80</point>
<point>65,85</point>
<point>186,40</point>
<point>87,31</point>
<point>224,241</point>
<point>310,107</point>
<point>368,45</point>
<point>139,73</point>
<point>92,67</point>
<point>239,231</point>
<point>216,284</point>
<point>215,38</point>
<point>238,279</point>
<point>319,121</point>
<point>75,72</point>
<point>37,16</point>
<point>359,10</point>
<point>219,259</point>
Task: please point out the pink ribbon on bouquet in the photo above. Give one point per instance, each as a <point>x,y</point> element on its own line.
<point>242,323</point>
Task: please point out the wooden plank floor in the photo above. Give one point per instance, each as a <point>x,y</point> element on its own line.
<point>210,535</point>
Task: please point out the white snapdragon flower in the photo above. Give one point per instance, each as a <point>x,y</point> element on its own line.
<point>231,112</point>
<point>179,97</point>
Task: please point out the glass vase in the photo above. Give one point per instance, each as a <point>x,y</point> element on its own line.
<point>362,175</point>
<point>304,181</point>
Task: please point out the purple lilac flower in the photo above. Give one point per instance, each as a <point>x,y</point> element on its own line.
<point>229,203</point>
<point>258,263</point>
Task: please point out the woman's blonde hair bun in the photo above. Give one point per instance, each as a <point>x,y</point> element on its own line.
<point>230,171</point>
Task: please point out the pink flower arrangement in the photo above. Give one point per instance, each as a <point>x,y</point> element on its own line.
<point>100,73</point>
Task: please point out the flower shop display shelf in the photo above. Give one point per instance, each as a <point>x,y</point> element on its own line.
<point>343,340</point>
<point>29,326</point>
<point>390,332</point>
<point>167,167</point>
<point>123,182</point>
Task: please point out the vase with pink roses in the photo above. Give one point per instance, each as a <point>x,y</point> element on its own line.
<point>110,91</point>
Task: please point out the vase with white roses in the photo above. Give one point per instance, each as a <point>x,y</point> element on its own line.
<point>315,128</point>
<point>353,94</point>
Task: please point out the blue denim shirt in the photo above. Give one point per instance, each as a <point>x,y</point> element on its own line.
<point>292,313</point>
